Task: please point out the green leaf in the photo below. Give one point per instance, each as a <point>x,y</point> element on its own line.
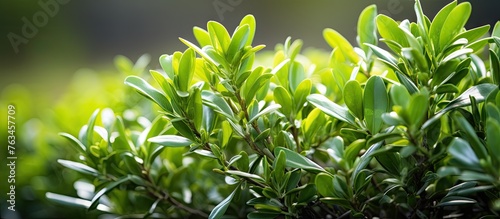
<point>201,36</point>
<point>145,89</point>
<point>167,66</point>
<point>338,42</point>
<point>279,166</point>
<point>455,201</point>
<point>238,41</point>
<point>446,88</point>
<point>437,25</point>
<point>462,151</point>
<point>352,151</point>
<point>108,188</point>
<point>262,215</point>
<point>259,83</point>
<point>217,103</point>
<point>389,30</point>
<point>367,29</point>
<point>171,141</point>
<point>282,97</point>
<point>457,54</point>
<point>74,202</point>
<point>74,142</point>
<point>375,102</point>
<point>479,92</point>
<point>301,93</point>
<point>271,108</point>
<point>353,98</point>
<point>186,69</point>
<point>295,160</point>
<point>221,208</point>
<point>331,108</point>
<point>250,21</point>
<point>473,34</point>
<point>324,184</point>
<point>470,135</point>
<point>417,109</point>
<point>384,56</point>
<point>400,95</point>
<point>495,67</point>
<point>82,168</point>
<point>454,23</point>
<point>246,175</point>
<point>218,36</point>
<point>493,138</point>
<point>131,163</point>
<point>195,108</point>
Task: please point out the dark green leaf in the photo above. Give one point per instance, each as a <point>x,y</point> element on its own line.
<point>221,208</point>
<point>375,102</point>
<point>353,98</point>
<point>295,160</point>
<point>108,188</point>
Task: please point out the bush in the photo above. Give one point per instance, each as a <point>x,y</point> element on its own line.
<point>408,131</point>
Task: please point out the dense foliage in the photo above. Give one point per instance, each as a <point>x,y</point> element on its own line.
<point>408,131</point>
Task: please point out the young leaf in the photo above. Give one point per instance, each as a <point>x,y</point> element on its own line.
<point>389,30</point>
<point>367,27</point>
<point>219,36</point>
<point>266,110</point>
<point>376,103</point>
<point>186,69</point>
<point>250,21</point>
<point>201,36</point>
<point>338,42</point>
<point>454,23</point>
<point>437,24</point>
<point>324,183</point>
<point>238,41</point>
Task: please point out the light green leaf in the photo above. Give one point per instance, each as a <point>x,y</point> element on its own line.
<point>295,160</point>
<point>389,30</point>
<point>282,97</point>
<point>74,202</point>
<point>473,34</point>
<point>301,93</point>
<point>75,142</point>
<point>238,41</point>
<point>201,36</point>
<point>437,24</point>
<point>145,89</point>
<point>454,23</point>
<point>250,21</point>
<point>218,36</point>
<point>331,108</point>
<point>338,42</point>
<point>353,98</point>
<point>186,69</point>
<point>367,29</point>
<point>171,140</point>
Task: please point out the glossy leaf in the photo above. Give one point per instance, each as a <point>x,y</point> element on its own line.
<point>375,102</point>
<point>367,29</point>
<point>331,108</point>
<point>217,103</point>
<point>171,140</point>
<point>454,23</point>
<point>82,168</point>
<point>353,98</point>
<point>145,89</point>
<point>106,189</point>
<point>296,160</point>
<point>221,208</point>
<point>337,41</point>
<point>186,69</point>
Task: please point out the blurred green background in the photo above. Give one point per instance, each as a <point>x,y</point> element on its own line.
<point>56,65</point>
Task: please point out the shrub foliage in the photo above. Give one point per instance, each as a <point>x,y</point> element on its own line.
<point>409,128</point>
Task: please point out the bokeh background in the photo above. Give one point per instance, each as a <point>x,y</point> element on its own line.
<point>60,74</point>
